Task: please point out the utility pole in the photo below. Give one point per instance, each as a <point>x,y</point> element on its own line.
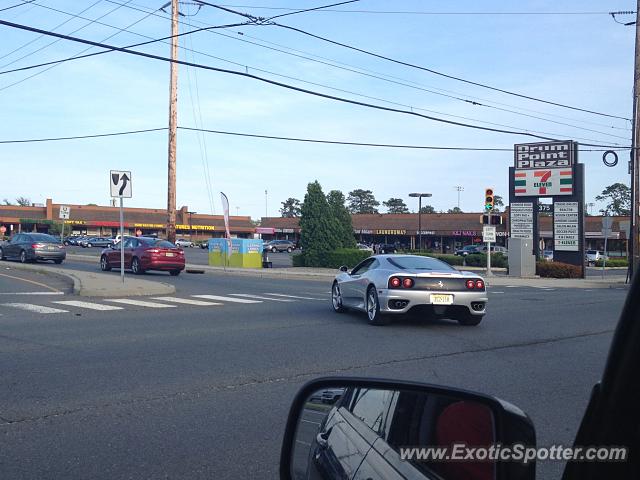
<point>634,170</point>
<point>173,126</point>
<point>266,210</point>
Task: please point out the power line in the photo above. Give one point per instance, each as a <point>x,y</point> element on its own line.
<point>273,82</point>
<point>323,7</point>
<point>315,83</point>
<point>72,16</point>
<point>83,137</point>
<point>414,12</point>
<point>16,5</point>
<point>287,138</point>
<point>411,65</point>
<point>411,84</point>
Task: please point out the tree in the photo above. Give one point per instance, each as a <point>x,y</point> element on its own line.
<point>455,210</point>
<point>23,201</point>
<point>619,197</point>
<point>319,230</point>
<point>362,201</point>
<point>335,199</point>
<point>290,208</point>
<point>427,209</point>
<point>396,205</point>
<point>497,203</point>
<point>6,202</point>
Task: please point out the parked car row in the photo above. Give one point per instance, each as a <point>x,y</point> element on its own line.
<point>477,249</point>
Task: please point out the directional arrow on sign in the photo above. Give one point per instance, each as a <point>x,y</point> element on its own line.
<point>120,184</point>
<point>124,179</point>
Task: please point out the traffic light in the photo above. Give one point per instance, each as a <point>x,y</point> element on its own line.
<point>488,199</point>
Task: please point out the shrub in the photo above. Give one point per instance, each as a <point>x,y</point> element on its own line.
<point>614,262</point>
<point>558,270</point>
<point>334,259</point>
<point>297,260</point>
<point>480,260</point>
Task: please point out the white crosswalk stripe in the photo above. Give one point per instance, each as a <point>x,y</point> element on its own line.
<point>186,301</point>
<point>258,297</point>
<point>139,303</point>
<point>89,305</point>
<point>227,299</point>
<point>29,307</point>
<point>295,296</point>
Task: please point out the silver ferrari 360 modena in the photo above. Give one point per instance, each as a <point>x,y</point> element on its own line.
<point>385,285</point>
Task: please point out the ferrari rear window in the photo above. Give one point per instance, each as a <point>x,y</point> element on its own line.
<point>419,263</point>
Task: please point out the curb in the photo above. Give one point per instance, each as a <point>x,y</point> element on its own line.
<point>100,289</point>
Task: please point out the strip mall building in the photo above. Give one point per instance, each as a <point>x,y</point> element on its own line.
<point>440,232</point>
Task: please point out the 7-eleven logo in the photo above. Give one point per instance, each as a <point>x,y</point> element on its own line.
<point>541,182</point>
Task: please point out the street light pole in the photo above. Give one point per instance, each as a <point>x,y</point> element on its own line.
<point>419,195</point>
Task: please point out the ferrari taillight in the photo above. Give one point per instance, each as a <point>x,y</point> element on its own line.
<point>394,282</point>
<point>407,282</point>
<point>479,284</point>
<point>471,284</point>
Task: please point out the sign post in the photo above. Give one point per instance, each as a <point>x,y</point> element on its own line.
<point>120,187</point>
<point>607,222</point>
<point>63,215</point>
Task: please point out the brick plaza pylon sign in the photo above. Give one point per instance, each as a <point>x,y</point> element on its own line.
<point>549,170</point>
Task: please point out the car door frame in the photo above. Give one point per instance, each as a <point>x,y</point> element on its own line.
<point>350,289</point>
<point>612,415</point>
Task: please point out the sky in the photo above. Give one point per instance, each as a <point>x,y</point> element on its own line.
<point>569,52</point>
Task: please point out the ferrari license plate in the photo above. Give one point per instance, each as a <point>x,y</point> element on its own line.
<point>438,299</point>
<point>169,254</point>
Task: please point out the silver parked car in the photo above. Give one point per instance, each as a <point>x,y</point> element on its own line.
<point>387,285</point>
<point>28,247</point>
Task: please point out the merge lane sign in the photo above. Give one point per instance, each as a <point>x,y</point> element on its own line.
<point>65,211</point>
<point>120,183</point>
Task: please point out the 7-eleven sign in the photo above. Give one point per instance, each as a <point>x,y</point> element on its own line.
<point>543,182</point>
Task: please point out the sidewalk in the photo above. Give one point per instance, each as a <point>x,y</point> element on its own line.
<point>99,284</point>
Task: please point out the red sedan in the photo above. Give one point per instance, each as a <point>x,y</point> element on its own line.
<point>144,253</point>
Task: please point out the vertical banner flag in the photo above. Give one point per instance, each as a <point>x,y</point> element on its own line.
<point>225,208</point>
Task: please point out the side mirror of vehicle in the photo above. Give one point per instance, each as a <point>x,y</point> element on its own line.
<point>344,268</point>
<point>420,431</point>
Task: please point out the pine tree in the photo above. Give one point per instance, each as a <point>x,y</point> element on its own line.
<point>319,230</point>
<point>336,200</point>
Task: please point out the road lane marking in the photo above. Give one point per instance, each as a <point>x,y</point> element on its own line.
<point>186,301</point>
<point>227,299</point>
<point>31,281</point>
<point>31,293</point>
<point>494,292</point>
<point>139,303</point>
<point>29,307</point>
<point>89,305</point>
<point>258,297</point>
<point>295,296</point>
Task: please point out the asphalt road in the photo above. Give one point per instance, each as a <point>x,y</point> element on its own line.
<point>203,391</point>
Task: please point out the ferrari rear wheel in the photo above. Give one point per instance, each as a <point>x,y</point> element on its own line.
<point>336,298</point>
<point>372,306</point>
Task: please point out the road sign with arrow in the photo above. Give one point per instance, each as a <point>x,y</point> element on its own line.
<point>120,183</point>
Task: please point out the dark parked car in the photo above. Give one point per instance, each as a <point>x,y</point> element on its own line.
<point>99,242</point>
<point>145,253</point>
<point>279,246</point>
<point>28,247</point>
<point>71,240</point>
<point>468,250</point>
<point>387,248</point>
